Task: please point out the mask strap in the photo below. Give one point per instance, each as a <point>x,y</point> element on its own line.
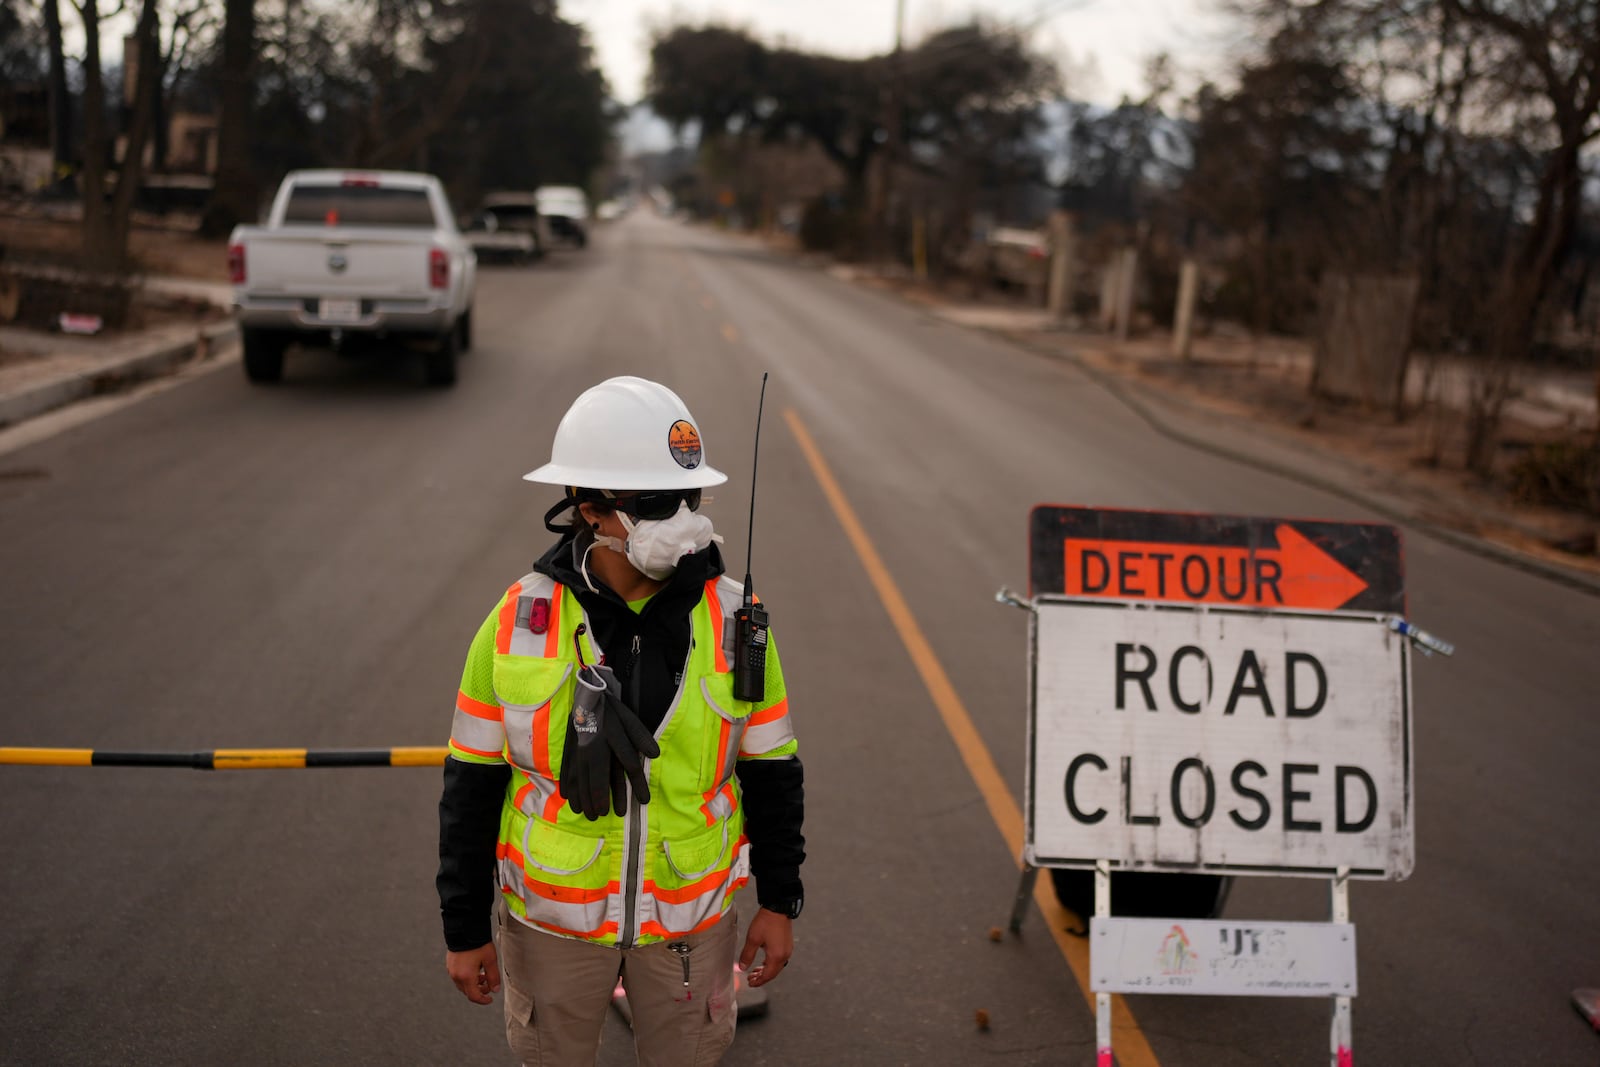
<point>583,567</point>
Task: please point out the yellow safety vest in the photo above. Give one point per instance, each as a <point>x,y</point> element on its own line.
<point>666,869</point>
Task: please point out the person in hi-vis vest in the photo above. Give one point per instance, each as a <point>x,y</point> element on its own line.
<point>604,782</point>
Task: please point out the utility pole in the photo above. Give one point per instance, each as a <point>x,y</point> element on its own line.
<point>894,104</point>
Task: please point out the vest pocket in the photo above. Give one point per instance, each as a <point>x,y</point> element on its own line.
<point>555,851</point>
<point>565,886</point>
<point>722,742</point>
<point>695,856</point>
<point>691,875</point>
<point>526,687</point>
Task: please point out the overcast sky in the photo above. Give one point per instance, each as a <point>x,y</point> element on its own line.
<point>1101,45</point>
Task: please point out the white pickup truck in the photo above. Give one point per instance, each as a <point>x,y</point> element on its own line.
<point>346,255</point>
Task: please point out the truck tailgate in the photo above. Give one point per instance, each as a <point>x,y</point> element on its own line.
<point>334,261</point>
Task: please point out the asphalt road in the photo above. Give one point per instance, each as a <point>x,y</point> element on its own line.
<point>223,565</point>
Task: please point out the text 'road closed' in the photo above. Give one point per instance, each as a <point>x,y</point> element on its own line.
<point>1222,738</point>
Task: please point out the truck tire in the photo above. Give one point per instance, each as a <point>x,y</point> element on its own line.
<point>464,330</point>
<point>439,364</point>
<point>263,355</point>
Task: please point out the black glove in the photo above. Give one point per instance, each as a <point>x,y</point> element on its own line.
<point>586,759</point>
<point>628,740</point>
<point>606,748</point>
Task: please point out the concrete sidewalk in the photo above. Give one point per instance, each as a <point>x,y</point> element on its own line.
<point>41,371</point>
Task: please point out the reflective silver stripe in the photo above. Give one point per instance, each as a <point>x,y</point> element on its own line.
<point>519,722</point>
<point>736,732</point>
<point>534,800</point>
<point>576,916</point>
<point>524,642</point>
<point>720,807</point>
<point>767,736</point>
<point>479,735</point>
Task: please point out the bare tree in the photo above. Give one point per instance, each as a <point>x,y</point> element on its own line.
<point>233,199</point>
<point>1552,56</point>
<point>105,220</point>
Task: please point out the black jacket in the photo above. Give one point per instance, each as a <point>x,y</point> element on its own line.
<point>469,810</point>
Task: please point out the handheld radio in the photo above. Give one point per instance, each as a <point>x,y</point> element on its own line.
<point>750,621</point>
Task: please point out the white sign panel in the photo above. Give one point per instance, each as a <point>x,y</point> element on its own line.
<point>1256,742</point>
<point>1221,958</point>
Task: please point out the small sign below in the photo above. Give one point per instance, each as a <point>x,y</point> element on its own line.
<point>1218,957</point>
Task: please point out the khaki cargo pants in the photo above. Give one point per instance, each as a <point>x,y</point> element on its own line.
<point>557,991</point>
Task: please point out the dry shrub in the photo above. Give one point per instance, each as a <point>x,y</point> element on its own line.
<point>1561,473</point>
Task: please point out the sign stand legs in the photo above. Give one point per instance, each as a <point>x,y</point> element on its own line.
<point>1339,1038</point>
<point>1102,1001</point>
<point>1019,907</point>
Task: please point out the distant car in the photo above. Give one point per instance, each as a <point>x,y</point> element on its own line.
<point>566,209</point>
<point>350,254</point>
<point>492,240</point>
<point>518,212</point>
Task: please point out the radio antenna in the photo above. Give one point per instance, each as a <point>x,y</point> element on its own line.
<point>750,534</point>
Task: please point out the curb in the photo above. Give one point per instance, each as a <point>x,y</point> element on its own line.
<point>154,361</point>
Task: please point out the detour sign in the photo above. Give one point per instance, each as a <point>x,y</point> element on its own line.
<point>1216,559</point>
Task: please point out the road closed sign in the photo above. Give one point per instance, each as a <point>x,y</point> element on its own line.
<point>1219,705</point>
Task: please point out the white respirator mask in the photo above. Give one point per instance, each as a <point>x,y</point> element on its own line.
<point>654,546</point>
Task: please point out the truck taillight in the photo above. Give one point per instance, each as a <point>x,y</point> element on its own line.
<point>236,264</point>
<point>439,269</point>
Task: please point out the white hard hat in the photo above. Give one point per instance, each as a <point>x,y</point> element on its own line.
<point>628,433</point>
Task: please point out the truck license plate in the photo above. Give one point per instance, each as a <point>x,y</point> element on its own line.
<point>339,310</point>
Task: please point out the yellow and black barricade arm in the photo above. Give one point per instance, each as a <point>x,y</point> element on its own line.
<point>229,759</point>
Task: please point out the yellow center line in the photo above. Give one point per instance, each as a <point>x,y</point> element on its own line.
<point>1129,1041</point>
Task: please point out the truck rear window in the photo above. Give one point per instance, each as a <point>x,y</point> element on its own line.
<point>359,205</point>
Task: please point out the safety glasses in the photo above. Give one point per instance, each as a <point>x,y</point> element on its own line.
<point>656,504</point>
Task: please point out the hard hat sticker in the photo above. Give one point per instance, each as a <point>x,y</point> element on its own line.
<point>684,442</point>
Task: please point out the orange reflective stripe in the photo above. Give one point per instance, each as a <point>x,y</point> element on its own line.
<point>496,754</point>
<point>508,619</point>
<point>772,714</point>
<point>477,708</point>
<point>541,740</point>
<point>653,927</point>
<point>521,795</point>
<point>552,807</point>
<point>716,625</point>
<point>552,636</point>
<point>714,880</point>
<point>567,894</point>
<point>588,935</point>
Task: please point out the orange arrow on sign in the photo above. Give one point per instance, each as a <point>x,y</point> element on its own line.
<point>1296,574</point>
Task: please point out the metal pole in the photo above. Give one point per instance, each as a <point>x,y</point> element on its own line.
<point>1019,907</point>
<point>1102,1001</point>
<point>1339,1038</point>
